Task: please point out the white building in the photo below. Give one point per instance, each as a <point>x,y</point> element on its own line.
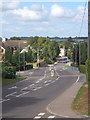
<point>62,51</point>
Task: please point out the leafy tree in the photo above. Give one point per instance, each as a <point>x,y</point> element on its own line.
<point>15,38</point>
<point>8,56</point>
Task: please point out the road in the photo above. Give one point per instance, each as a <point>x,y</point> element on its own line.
<point>29,98</point>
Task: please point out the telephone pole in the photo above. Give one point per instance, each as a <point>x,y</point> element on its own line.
<point>89,29</point>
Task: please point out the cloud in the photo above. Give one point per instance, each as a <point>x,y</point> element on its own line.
<point>58,11</point>
<point>79,14</point>
<point>3,22</point>
<point>34,12</point>
<point>9,5</point>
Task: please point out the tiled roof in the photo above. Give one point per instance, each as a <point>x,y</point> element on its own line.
<point>15,43</point>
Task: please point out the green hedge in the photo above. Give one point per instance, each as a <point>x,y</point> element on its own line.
<point>74,65</point>
<point>88,70</point>
<point>82,68</point>
<point>8,72</point>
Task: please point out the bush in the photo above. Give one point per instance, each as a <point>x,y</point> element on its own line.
<point>82,68</point>
<point>88,70</point>
<point>74,65</point>
<point>8,72</point>
<point>28,67</point>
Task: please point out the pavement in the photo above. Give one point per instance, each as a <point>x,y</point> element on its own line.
<point>61,106</point>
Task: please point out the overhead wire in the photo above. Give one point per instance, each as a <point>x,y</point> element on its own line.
<point>82,19</point>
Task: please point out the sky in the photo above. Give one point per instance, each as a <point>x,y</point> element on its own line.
<point>25,19</point>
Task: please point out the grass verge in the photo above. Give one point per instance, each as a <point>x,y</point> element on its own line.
<point>9,81</point>
<point>80,103</point>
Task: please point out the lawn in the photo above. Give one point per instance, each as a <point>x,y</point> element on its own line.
<point>80,103</point>
<point>9,81</point>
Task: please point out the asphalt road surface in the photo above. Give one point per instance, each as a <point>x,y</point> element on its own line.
<point>29,98</point>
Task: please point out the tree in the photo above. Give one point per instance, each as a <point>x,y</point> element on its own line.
<point>8,56</point>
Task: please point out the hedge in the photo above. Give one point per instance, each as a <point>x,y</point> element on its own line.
<point>88,70</point>
<point>82,68</point>
<point>8,72</point>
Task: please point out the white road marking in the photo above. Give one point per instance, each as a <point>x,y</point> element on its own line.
<point>51,117</point>
<point>37,88</point>
<point>37,117</point>
<point>24,88</point>
<point>49,81</point>
<point>47,84</point>
<point>37,81</point>
<point>10,94</point>
<point>31,85</point>
<point>4,100</point>
<point>12,87</point>
<point>22,94</point>
<point>77,79</point>
<point>45,81</point>
<point>57,78</point>
<point>41,114</point>
<point>53,82</point>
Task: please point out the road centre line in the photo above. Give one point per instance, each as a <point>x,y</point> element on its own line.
<point>47,84</point>
<point>37,117</point>
<point>53,82</point>
<point>4,100</point>
<point>12,87</point>
<point>37,88</point>
<point>57,78</point>
<point>31,85</point>
<point>22,94</point>
<point>45,81</point>
<point>41,114</point>
<point>24,88</point>
<point>51,117</point>
<point>10,94</point>
<point>77,79</point>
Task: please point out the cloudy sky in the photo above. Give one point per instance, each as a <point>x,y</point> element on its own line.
<point>61,19</point>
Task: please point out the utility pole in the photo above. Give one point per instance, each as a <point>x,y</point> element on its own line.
<point>89,29</point>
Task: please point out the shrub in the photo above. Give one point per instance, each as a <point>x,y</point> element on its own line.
<point>88,70</point>
<point>82,68</point>
<point>28,67</point>
<point>74,65</point>
<point>8,72</point>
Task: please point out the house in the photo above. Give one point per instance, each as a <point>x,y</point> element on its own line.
<point>13,44</point>
<point>62,52</point>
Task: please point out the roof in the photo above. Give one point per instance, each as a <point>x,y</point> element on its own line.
<point>15,43</point>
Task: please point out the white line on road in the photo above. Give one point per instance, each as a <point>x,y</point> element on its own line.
<point>31,85</point>
<point>57,78</point>
<point>53,82</point>
<point>10,94</point>
<point>45,81</point>
<point>41,114</point>
<point>37,81</point>
<point>24,88</point>
<point>77,79</point>
<point>4,100</point>
<point>51,117</point>
<point>37,88</point>
<point>37,117</point>
<point>12,87</point>
<point>22,94</point>
<point>47,84</point>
